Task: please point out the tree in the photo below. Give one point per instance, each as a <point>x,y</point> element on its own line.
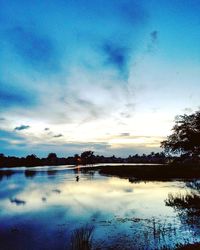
<point>52,156</point>
<point>52,159</point>
<point>87,157</point>
<point>31,160</point>
<point>77,159</point>
<point>185,138</point>
<point>31,157</point>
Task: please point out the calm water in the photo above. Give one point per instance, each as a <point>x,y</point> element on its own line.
<point>40,210</point>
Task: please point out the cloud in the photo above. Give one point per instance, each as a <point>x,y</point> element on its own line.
<point>154,36</point>
<point>116,55</point>
<point>97,43</point>
<point>22,127</point>
<point>58,135</point>
<point>57,191</point>
<point>13,95</point>
<point>125,134</point>
<point>153,41</point>
<point>17,201</point>
<point>35,49</point>
<point>10,136</point>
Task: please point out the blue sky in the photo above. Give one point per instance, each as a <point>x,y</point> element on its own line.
<point>109,76</point>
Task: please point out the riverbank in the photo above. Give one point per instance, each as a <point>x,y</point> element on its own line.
<point>153,172</point>
<point>133,172</point>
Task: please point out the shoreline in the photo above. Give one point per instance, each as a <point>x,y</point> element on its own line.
<point>133,172</point>
<point>153,172</point>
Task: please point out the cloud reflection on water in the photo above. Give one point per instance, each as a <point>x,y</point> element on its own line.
<point>114,206</point>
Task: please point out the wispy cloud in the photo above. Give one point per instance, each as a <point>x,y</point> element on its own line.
<point>22,127</point>
<point>153,41</point>
<point>17,201</point>
<point>116,56</point>
<point>34,48</point>
<point>58,135</point>
<point>13,95</point>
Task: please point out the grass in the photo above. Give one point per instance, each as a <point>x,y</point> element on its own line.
<point>82,238</point>
<point>184,201</point>
<point>187,205</point>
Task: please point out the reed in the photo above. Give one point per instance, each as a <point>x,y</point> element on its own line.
<point>82,238</point>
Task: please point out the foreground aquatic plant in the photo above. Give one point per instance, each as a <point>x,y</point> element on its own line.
<point>82,238</point>
<point>184,201</point>
<point>188,207</point>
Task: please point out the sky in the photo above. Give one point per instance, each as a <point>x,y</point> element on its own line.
<point>108,76</point>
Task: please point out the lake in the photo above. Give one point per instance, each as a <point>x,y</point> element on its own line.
<point>42,207</point>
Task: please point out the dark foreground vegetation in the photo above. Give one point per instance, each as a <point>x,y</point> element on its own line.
<point>154,172</point>
<point>187,204</point>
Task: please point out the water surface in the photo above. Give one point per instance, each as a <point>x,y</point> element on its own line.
<point>40,208</point>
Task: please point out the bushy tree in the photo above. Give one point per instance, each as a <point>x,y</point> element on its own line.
<point>87,157</point>
<point>185,137</point>
<point>51,156</point>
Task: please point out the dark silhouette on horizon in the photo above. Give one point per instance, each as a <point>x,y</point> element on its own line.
<point>86,157</point>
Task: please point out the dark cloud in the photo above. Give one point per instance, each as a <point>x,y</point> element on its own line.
<point>153,41</point>
<point>92,110</point>
<point>17,202</point>
<point>154,36</point>
<point>12,95</point>
<point>46,129</point>
<point>57,191</point>
<point>22,127</point>
<point>10,135</point>
<point>76,147</point>
<point>35,49</point>
<point>57,136</point>
<point>6,142</point>
<point>116,55</point>
<point>44,199</point>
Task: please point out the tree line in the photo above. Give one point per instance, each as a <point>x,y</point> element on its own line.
<point>183,146</point>
<point>86,157</point>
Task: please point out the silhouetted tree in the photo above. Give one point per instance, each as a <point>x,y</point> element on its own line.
<point>52,156</point>
<point>77,159</point>
<point>87,157</point>
<point>185,137</point>
<point>52,159</point>
<point>31,160</point>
